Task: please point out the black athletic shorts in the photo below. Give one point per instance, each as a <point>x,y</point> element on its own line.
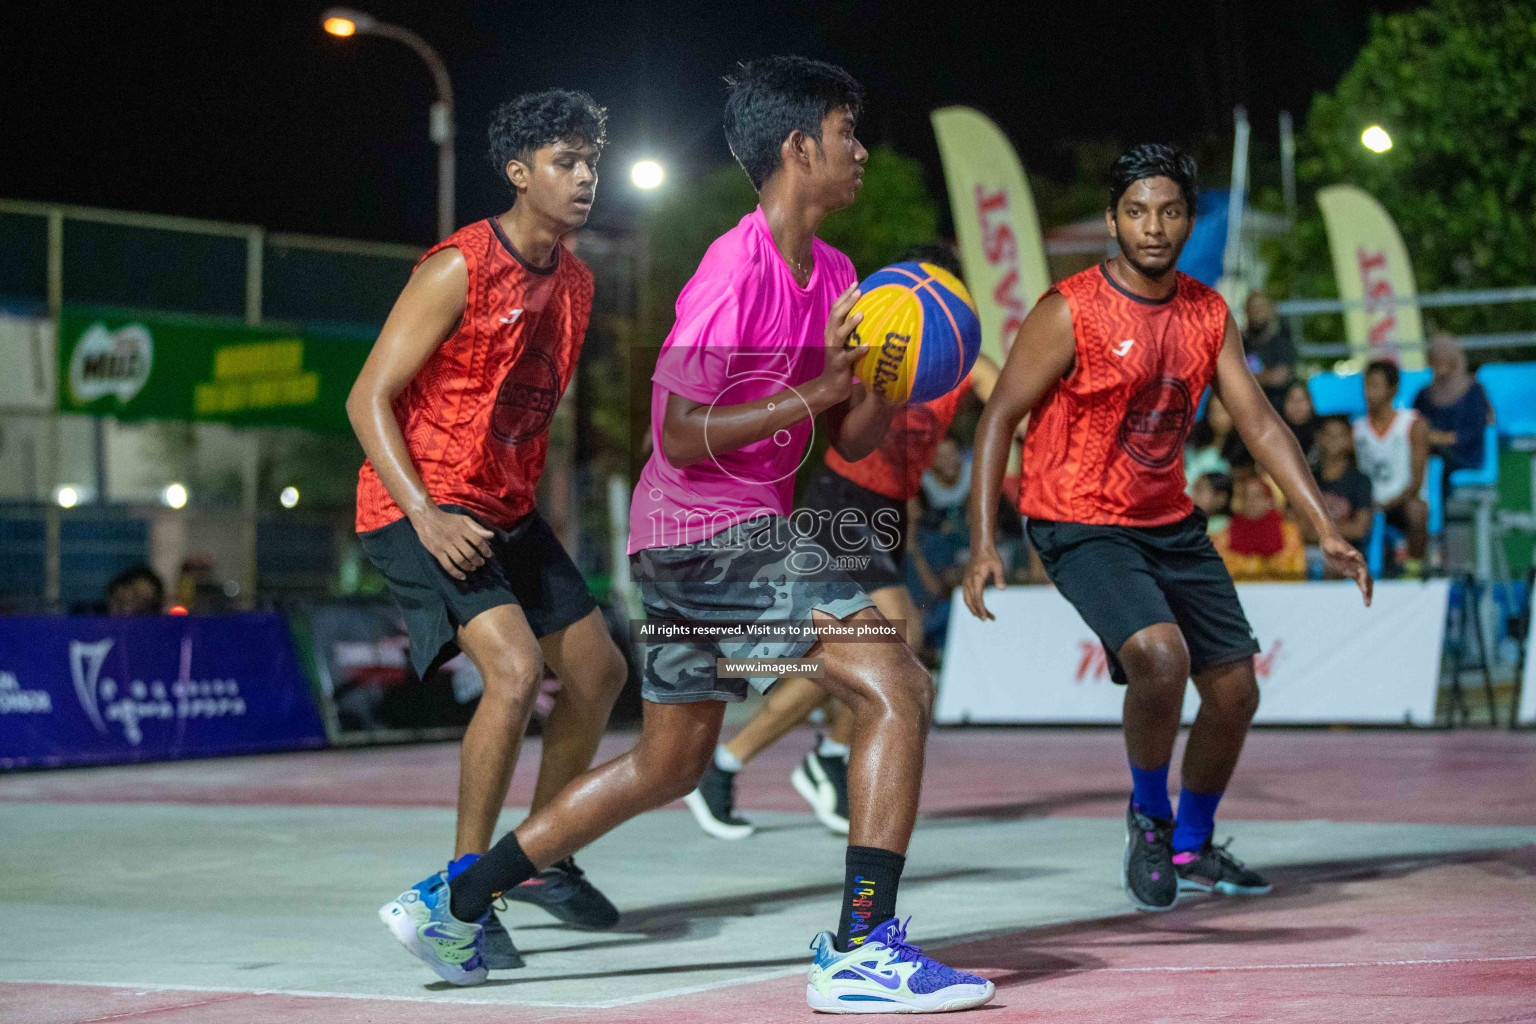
<point>1122,579</point>
<point>529,568</point>
<point>864,532</point>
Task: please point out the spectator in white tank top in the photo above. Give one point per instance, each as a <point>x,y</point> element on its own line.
<point>1392,447</point>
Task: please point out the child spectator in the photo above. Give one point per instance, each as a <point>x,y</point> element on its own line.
<point>1259,544</point>
<point>1346,490</point>
<point>1392,446</point>
<point>1212,494</point>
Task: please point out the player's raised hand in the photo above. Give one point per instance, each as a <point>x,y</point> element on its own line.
<point>842,355</point>
<point>983,568</point>
<point>1346,560</point>
<point>459,544</point>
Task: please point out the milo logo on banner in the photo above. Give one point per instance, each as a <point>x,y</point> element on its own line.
<point>111,363</point>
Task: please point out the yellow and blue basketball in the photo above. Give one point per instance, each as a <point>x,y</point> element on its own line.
<point>922,331</point>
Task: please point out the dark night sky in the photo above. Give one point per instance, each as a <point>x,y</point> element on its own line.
<point>249,112</point>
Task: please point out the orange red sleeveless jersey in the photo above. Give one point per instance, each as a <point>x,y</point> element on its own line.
<point>476,415</point>
<point>1106,444</point>
<point>895,469</point>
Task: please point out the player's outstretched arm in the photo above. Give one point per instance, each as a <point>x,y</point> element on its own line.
<point>685,439</point>
<point>1042,353</point>
<point>424,316</point>
<point>1274,445</point>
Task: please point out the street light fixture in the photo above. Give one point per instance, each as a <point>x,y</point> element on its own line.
<point>646,174</point>
<point>343,22</point>
<point>1376,139</point>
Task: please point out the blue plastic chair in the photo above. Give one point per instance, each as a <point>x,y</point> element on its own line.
<point>1335,394</point>
<point>1409,384</point>
<point>1511,389</point>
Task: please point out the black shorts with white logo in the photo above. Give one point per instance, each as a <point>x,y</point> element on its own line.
<point>529,567</point>
<point>1122,579</point>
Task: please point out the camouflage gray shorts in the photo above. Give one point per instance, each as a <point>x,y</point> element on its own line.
<point>757,571</point>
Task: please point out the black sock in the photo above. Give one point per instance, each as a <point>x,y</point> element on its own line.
<point>869,893</point>
<point>506,866</point>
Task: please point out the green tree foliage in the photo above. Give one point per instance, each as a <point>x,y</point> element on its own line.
<point>1454,83</point>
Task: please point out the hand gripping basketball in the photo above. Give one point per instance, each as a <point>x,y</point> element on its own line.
<point>843,352</point>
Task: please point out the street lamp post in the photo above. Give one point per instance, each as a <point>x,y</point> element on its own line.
<point>343,22</point>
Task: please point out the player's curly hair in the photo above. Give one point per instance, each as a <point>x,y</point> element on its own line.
<point>767,99</point>
<point>537,119</point>
<point>1155,160</point>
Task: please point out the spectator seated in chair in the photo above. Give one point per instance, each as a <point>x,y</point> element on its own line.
<point>1346,490</point>
<point>1454,406</point>
<point>1392,448</point>
<point>1301,416</point>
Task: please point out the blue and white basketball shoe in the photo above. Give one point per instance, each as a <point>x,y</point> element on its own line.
<point>421,920</point>
<point>887,974</point>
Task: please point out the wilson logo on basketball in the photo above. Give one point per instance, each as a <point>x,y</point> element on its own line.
<point>888,366</point>
<point>1156,423</point>
<point>1093,664</point>
<point>526,401</point>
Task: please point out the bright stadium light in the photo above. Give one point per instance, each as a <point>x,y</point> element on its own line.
<point>1376,139</point>
<point>646,174</point>
<point>289,497</point>
<point>343,21</point>
<point>175,496</point>
<point>67,497</point>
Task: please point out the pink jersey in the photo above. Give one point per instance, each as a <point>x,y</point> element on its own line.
<point>745,330</point>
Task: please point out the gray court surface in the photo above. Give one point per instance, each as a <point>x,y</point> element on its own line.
<point>283,899</point>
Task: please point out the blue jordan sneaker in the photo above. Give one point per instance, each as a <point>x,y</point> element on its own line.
<point>421,920</point>
<point>887,974</point>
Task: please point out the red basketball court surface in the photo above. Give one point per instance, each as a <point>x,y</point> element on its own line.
<point>245,890</point>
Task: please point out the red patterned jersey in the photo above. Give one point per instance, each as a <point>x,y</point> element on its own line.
<point>1106,444</point>
<point>476,415</point>
<point>895,469</point>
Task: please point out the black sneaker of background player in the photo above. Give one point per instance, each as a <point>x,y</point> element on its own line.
<point>563,890</point>
<point>1213,869</point>
<point>714,805</point>
<point>1148,874</point>
<point>500,953</point>
<point>823,782</point>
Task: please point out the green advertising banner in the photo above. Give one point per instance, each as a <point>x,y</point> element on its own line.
<point>151,368</point>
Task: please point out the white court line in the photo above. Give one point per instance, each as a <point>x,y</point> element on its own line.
<point>140,988</point>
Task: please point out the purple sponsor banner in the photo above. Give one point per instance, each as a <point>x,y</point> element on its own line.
<point>96,690</point>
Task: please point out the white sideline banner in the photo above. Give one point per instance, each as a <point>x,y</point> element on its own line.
<point>1326,657</point>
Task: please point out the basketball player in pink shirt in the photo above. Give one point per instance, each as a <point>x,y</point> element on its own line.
<point>757,355</point>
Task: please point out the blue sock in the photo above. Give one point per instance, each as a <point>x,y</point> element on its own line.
<point>456,867</point>
<point>1197,820</point>
<point>1149,791</point>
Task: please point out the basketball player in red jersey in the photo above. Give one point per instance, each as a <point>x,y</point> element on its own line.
<point>864,510</point>
<point>453,409</point>
<point>1112,362</point>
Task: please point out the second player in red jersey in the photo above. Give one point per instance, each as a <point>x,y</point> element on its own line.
<point>1112,363</point>
<point>1151,358</point>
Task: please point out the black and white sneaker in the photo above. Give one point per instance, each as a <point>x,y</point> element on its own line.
<point>1214,869</point>
<point>500,953</point>
<point>714,805</point>
<point>823,782</point>
<point>1147,872</point>
<point>563,890</point>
